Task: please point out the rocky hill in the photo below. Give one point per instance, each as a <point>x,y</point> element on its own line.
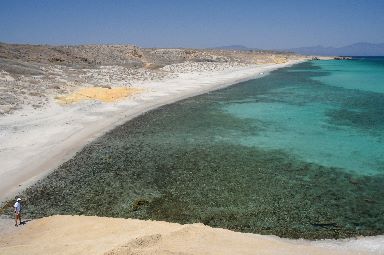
<point>34,74</point>
<point>357,49</point>
<point>126,55</point>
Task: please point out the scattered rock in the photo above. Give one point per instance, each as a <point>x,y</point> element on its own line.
<point>105,86</point>
<point>137,204</point>
<point>35,94</point>
<point>56,60</point>
<point>342,58</point>
<point>354,181</point>
<point>369,200</point>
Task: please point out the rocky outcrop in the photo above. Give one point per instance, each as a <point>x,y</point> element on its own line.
<point>342,58</point>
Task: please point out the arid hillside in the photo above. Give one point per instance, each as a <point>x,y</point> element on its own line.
<point>129,55</point>
<point>33,75</point>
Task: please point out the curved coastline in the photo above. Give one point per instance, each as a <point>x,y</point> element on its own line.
<point>78,141</point>
<point>35,142</point>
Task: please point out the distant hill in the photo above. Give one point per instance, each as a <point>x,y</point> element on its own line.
<point>233,47</point>
<point>245,48</point>
<point>357,49</point>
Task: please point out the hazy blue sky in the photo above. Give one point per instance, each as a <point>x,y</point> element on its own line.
<point>194,23</point>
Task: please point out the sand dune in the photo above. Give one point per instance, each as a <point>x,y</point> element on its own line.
<point>110,236</point>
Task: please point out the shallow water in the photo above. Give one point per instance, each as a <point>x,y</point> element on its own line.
<point>290,154</point>
<point>319,122</point>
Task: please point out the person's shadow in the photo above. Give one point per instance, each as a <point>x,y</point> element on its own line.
<point>24,222</point>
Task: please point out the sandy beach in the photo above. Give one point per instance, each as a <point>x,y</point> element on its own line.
<point>109,236</point>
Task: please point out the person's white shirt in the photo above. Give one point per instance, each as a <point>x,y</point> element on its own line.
<point>17,206</point>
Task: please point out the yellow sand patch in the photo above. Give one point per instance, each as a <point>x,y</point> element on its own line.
<point>98,93</point>
<point>280,60</point>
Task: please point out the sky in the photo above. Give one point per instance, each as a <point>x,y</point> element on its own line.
<point>263,24</point>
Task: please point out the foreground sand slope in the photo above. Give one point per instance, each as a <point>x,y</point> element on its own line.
<point>109,236</point>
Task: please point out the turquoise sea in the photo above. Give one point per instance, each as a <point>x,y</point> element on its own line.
<point>297,153</point>
<point>334,117</point>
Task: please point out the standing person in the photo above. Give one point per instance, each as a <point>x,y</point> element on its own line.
<point>17,207</point>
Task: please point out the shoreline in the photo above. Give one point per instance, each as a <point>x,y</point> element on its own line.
<point>37,142</point>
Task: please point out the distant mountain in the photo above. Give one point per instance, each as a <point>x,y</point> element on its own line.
<point>233,47</point>
<point>357,49</point>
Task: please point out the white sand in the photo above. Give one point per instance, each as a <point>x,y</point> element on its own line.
<point>35,142</point>
<point>98,235</point>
